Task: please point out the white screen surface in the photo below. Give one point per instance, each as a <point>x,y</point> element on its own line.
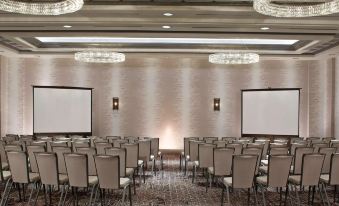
<point>58,110</point>
<point>273,112</point>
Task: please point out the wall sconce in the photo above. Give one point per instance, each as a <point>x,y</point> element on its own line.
<point>115,103</point>
<point>216,104</point>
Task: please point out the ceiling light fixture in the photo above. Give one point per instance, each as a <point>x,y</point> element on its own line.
<point>67,26</point>
<point>268,7</point>
<point>168,14</point>
<point>234,58</point>
<point>58,8</point>
<point>99,56</point>
<point>265,28</point>
<point>166,27</point>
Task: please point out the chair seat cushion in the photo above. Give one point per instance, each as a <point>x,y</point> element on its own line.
<point>295,179</point>
<point>263,169</point>
<point>92,180</point>
<point>6,175</point>
<point>4,165</point>
<point>262,180</point>
<point>129,171</point>
<point>63,178</point>
<point>210,170</point>
<point>124,182</point>
<point>227,181</point>
<point>264,162</point>
<point>33,177</point>
<point>325,178</point>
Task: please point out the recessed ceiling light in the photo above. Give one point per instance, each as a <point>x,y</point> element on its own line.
<point>265,28</point>
<point>67,26</point>
<point>168,14</point>
<point>166,27</point>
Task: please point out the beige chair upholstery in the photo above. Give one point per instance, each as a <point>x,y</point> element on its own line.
<point>205,158</point>
<point>108,170</point>
<point>229,139</point>
<point>294,146</point>
<point>132,156</point>
<point>266,143</point>
<point>327,151</point>
<point>90,152</point>
<point>186,153</point>
<point>220,143</point>
<point>298,158</point>
<point>118,142</point>
<point>61,159</point>
<point>132,139</point>
<point>59,144</point>
<point>31,149</point>
<point>193,152</point>
<point>39,143</point>
<point>242,176</point>
<point>3,154</point>
<point>157,153</point>
<point>237,148</point>
<point>112,138</point>
<point>80,143</point>
<point>331,179</point>
<point>102,146</point>
<point>254,151</point>
<point>210,140</point>
<point>318,146</point>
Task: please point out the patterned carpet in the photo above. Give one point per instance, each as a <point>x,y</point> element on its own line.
<point>171,187</point>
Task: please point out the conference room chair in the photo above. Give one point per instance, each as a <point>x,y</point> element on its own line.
<point>243,142</point>
<point>108,170</point>
<point>80,143</point>
<point>266,145</point>
<point>156,153</point>
<point>334,141</point>
<point>243,170</point>
<point>278,144</point>
<point>280,140</point>
<point>314,140</point>
<point>237,147</point>
<point>317,146</point>
<point>277,175</point>
<point>50,177</point>
<point>78,176</point>
<point>335,145</point>
<point>5,177</point>
<point>59,144</point>
<point>294,146</point>
<point>229,139</point>
<point>193,154</point>
<point>308,177</point>
<point>90,152</point>
<point>222,164</point>
<point>131,139</point>
<point>18,164</point>
<point>118,142</point>
<point>99,140</point>
<point>102,146</point>
<point>9,138</point>
<point>298,159</point>
<point>210,140</point>
<point>31,149</point>
<point>112,138</point>
<point>132,157</point>
<point>124,171</point>
<point>327,151</point>
<point>3,156</point>
<point>299,140</point>
<point>61,159</point>
<point>327,139</point>
<point>48,141</point>
<point>39,143</point>
<point>145,157</point>
<point>273,151</point>
<point>254,151</point>
<point>220,143</point>
<point>247,139</point>
<point>185,153</point>
<point>205,158</point>
<point>331,179</point>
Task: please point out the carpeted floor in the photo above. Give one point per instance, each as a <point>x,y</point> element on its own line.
<point>171,187</point>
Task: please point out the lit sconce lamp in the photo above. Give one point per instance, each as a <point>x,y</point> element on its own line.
<point>115,103</point>
<point>216,104</point>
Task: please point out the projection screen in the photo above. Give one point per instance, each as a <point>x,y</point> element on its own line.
<point>270,112</point>
<point>62,110</point>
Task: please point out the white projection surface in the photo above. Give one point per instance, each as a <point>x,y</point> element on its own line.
<point>61,110</point>
<point>270,112</point>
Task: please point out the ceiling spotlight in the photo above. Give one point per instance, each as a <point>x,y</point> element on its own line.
<point>67,26</point>
<point>265,28</point>
<point>168,14</point>
<point>166,27</point>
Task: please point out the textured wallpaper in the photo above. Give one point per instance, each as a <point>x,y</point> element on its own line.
<point>170,96</point>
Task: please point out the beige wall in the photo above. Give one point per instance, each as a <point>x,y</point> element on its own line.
<point>169,96</point>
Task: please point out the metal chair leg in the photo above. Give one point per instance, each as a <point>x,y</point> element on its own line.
<point>263,195</point>
<point>326,196</point>
<point>130,195</point>
<point>8,183</point>
<point>9,192</point>
<point>37,194</point>
<point>297,194</point>
<point>222,195</point>
<point>92,192</point>
<point>61,196</point>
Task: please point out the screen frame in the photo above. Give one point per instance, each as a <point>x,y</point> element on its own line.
<point>268,89</point>
<point>64,133</point>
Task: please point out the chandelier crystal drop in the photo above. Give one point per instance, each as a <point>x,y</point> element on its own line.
<point>99,57</point>
<point>57,8</point>
<point>234,58</point>
<point>268,7</point>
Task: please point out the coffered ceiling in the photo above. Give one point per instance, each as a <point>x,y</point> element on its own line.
<point>143,20</point>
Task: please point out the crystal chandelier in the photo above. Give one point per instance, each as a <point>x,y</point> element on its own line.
<point>99,56</point>
<point>58,8</point>
<point>233,58</point>
<point>268,7</point>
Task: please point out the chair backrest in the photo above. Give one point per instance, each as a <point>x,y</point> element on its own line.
<point>228,139</point>
<point>278,170</point>
<point>298,158</point>
<point>327,151</point>
<point>265,148</point>
<point>243,171</point>
<point>237,148</point>
<point>205,155</point>
<point>294,146</point>
<point>254,151</point>
<point>121,152</point>
<point>144,149</point>
<point>18,164</point>
<point>48,167</point>
<point>90,152</point>
<point>39,143</point>
<point>13,147</point>
<point>99,140</point>
<point>187,145</point>
<point>155,146</point>
<point>248,139</point>
<point>220,143</point>
<point>3,152</point>
<point>194,148</point>
<point>118,142</point>
<point>132,139</point>
<point>210,140</point>
<point>311,169</point>
<point>334,170</point>
<point>102,146</point>
<point>77,169</point>
<point>277,144</point>
<point>279,151</point>
<point>108,171</point>
<point>61,159</point>
<point>78,143</point>
<point>222,161</point>
<point>317,146</point>
<point>31,149</point>
<point>59,144</point>
<point>132,156</point>
<point>112,138</point>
